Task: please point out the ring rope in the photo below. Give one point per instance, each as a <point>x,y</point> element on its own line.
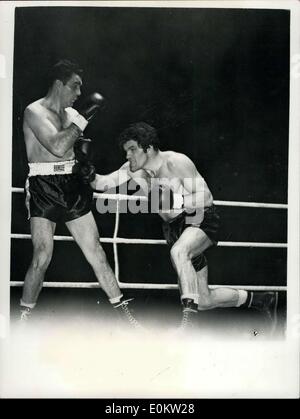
<point>150,286</point>
<point>250,204</point>
<point>115,238</point>
<point>119,240</point>
<point>144,198</point>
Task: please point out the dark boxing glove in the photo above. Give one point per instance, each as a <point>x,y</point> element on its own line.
<point>85,171</point>
<point>88,110</point>
<point>83,155</point>
<point>83,150</point>
<point>91,106</point>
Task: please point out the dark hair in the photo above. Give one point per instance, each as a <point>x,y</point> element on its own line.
<point>63,71</point>
<point>142,133</point>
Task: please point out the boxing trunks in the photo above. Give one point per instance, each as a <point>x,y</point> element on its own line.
<point>173,229</point>
<point>55,193</point>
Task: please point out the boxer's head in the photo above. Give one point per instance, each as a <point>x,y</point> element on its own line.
<point>65,77</point>
<point>142,133</point>
<point>63,70</point>
<point>137,140</point>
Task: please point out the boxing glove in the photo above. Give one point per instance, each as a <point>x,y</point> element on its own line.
<point>165,200</point>
<point>176,200</point>
<point>77,119</point>
<point>83,149</point>
<point>91,106</point>
<point>85,171</point>
<point>83,155</point>
<point>89,109</point>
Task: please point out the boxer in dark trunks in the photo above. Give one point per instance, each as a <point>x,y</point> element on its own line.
<point>173,229</point>
<point>57,187</point>
<point>190,220</point>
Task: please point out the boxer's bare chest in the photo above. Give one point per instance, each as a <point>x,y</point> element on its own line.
<point>166,179</point>
<point>59,120</point>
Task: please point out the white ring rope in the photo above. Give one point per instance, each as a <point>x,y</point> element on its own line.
<point>115,240</point>
<point>120,240</point>
<point>141,285</point>
<point>144,198</point>
<point>250,204</point>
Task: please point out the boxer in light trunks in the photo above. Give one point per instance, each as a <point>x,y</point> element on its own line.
<point>190,220</point>
<point>57,187</point>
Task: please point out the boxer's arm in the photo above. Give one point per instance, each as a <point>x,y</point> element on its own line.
<point>196,192</point>
<point>120,176</point>
<point>112,180</point>
<point>57,142</point>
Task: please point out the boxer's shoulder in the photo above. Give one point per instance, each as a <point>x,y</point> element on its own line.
<point>35,109</point>
<point>175,160</point>
<point>141,173</point>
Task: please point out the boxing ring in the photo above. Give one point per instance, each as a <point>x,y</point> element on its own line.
<point>115,240</point>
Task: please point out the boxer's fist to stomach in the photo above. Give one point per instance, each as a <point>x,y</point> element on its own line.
<point>85,171</point>
<point>83,149</point>
<point>163,199</point>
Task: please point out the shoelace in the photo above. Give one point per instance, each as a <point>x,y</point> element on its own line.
<point>186,320</point>
<point>132,320</point>
<point>25,314</point>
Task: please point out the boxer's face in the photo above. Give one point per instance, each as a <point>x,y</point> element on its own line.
<point>70,91</point>
<point>135,155</point>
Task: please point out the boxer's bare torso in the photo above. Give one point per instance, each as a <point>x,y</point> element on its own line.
<point>40,123</point>
<point>168,169</point>
<point>176,172</point>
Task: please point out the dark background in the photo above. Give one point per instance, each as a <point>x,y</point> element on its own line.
<point>214,82</point>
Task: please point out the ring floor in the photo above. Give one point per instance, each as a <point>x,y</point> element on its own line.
<point>155,309</point>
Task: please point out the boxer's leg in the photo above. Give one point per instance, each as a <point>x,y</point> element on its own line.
<point>193,242</point>
<point>266,302</point>
<point>190,244</point>
<point>219,297</point>
<point>85,233</point>
<point>42,231</point>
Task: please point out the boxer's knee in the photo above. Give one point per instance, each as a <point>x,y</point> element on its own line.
<point>205,302</point>
<point>179,254</point>
<point>41,257</point>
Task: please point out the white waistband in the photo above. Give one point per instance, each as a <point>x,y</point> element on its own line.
<point>51,168</point>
